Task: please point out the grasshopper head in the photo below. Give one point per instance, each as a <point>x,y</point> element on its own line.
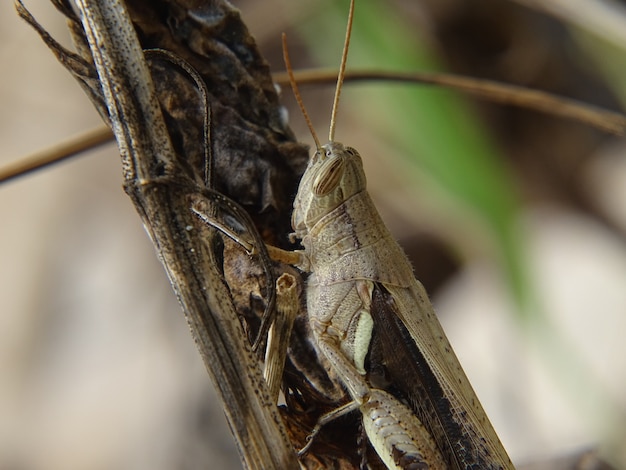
<point>334,174</point>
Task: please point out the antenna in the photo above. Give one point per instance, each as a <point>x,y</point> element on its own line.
<point>296,92</point>
<point>342,72</point>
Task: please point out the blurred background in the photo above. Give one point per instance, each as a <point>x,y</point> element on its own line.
<point>514,221</point>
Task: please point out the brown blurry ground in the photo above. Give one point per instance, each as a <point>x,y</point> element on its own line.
<point>97,368</point>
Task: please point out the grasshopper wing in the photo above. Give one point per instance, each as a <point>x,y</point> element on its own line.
<point>421,364</point>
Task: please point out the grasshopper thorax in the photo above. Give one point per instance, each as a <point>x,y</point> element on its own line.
<point>333,175</point>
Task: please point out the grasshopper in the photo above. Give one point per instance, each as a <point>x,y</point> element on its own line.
<point>387,324</point>
<point>367,311</point>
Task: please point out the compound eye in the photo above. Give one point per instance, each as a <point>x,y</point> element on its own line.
<point>328,176</point>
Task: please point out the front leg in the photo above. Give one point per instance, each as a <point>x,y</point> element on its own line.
<point>296,258</point>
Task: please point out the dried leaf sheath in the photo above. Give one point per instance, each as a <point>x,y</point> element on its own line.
<point>163,160</point>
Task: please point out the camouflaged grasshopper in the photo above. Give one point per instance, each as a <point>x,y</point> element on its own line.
<point>367,311</point>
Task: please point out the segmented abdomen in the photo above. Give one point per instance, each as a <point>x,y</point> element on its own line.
<point>398,436</point>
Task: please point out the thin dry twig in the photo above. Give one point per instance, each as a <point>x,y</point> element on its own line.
<point>490,90</point>
<point>57,153</point>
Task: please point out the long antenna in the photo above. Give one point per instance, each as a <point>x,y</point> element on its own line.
<point>296,92</point>
<point>342,72</point>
